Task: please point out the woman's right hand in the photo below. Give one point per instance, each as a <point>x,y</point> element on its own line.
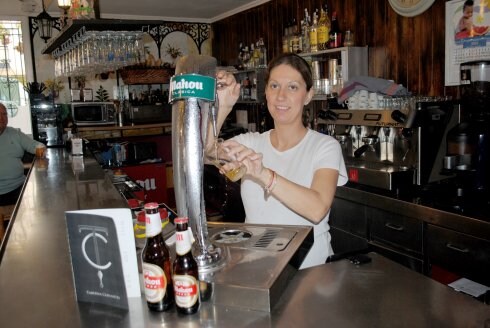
<point>228,91</point>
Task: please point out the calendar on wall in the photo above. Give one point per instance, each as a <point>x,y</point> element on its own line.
<point>467,35</point>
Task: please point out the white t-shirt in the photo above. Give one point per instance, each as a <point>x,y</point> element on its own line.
<point>298,165</point>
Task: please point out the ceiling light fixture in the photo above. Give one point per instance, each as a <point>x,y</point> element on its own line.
<point>44,24</point>
<point>65,5</point>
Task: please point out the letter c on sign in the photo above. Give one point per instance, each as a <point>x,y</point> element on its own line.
<point>95,265</point>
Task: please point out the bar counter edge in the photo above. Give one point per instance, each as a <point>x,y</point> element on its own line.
<point>37,288</point>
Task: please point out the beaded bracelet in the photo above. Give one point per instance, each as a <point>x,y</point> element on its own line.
<point>272,183</point>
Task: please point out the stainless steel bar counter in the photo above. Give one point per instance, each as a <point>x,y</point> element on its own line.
<point>36,287</point>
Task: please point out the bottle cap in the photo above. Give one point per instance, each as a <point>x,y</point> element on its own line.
<point>181,220</point>
<point>151,205</point>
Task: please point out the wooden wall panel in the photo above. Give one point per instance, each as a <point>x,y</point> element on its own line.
<point>409,51</point>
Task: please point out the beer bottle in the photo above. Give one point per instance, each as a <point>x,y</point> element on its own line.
<point>186,283</point>
<point>156,263</point>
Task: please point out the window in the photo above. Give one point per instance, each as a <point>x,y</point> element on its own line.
<point>12,66</point>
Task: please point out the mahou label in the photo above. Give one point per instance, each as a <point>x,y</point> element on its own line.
<point>155,282</point>
<point>186,290</point>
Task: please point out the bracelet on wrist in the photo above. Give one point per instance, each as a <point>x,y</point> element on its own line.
<point>272,183</point>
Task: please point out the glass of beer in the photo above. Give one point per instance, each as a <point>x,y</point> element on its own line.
<point>231,168</point>
<point>40,151</point>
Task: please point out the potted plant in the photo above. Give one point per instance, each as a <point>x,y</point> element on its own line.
<point>102,94</point>
<point>80,80</point>
<point>53,87</point>
<point>35,91</point>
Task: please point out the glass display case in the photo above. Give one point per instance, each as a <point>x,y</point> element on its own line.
<point>47,123</point>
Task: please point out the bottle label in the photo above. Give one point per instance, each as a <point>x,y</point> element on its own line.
<point>313,40</point>
<point>183,243</point>
<point>186,290</point>
<point>153,224</point>
<point>322,36</point>
<point>155,282</point>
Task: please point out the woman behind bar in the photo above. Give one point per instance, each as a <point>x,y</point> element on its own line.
<point>292,171</point>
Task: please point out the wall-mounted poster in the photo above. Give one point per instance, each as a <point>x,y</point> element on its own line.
<point>467,35</point>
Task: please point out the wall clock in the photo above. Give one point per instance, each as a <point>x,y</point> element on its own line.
<point>410,8</point>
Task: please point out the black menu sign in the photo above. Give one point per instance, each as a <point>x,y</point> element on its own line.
<point>103,256</point>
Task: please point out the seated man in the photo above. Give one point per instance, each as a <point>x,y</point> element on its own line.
<point>13,144</point>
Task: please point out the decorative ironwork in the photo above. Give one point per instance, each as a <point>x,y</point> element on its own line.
<point>34,27</point>
<point>199,32</point>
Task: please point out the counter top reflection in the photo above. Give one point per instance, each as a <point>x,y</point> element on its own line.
<point>37,288</point>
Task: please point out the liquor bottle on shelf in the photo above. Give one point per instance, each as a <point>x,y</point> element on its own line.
<point>254,52</point>
<point>186,277</point>
<point>285,39</point>
<point>262,53</point>
<point>335,40</point>
<point>305,35</point>
<point>246,89</point>
<point>313,33</point>
<point>246,57</point>
<point>300,37</point>
<point>240,56</point>
<point>323,29</point>
<point>253,92</point>
<point>293,37</point>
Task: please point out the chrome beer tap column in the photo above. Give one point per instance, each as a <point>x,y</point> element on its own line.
<point>192,93</point>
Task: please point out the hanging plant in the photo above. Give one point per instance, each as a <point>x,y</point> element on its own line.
<point>173,52</point>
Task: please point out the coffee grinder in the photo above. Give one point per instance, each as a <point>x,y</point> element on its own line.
<point>468,144</point>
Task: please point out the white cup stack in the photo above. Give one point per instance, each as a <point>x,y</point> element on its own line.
<point>353,101</point>
<point>363,99</point>
<point>373,100</point>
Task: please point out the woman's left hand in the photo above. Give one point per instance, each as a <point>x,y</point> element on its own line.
<point>249,158</point>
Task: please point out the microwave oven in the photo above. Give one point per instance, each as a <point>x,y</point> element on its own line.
<point>93,113</point>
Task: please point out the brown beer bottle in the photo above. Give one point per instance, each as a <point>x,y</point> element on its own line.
<point>156,263</point>
<point>186,275</point>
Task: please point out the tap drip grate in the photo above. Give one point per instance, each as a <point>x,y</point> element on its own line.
<point>266,239</point>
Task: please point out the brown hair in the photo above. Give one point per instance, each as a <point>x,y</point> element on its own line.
<point>295,62</point>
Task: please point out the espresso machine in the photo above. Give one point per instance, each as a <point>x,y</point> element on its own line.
<point>468,144</point>
<point>394,149</point>
<point>242,265</point>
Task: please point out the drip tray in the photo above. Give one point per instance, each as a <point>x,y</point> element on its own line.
<point>265,238</point>
<point>261,260</point>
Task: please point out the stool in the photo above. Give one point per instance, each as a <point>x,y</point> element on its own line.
<point>5,214</point>
<point>2,228</point>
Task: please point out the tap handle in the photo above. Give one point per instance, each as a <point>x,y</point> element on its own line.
<point>214,117</point>
<point>399,116</point>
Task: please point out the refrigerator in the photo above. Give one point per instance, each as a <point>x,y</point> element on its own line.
<point>47,124</point>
